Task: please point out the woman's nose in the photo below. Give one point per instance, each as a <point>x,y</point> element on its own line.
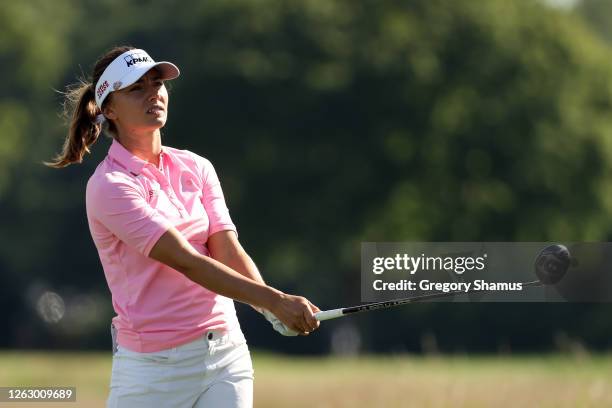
<point>154,93</point>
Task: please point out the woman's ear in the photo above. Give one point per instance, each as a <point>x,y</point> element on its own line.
<point>109,112</point>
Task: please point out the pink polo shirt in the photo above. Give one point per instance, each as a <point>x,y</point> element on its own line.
<point>130,204</point>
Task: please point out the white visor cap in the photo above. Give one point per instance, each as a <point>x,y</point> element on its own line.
<point>127,69</point>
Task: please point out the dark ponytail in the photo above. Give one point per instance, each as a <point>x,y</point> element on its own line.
<point>80,111</point>
<point>80,108</point>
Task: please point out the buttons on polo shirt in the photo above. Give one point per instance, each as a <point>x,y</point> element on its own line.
<point>175,201</point>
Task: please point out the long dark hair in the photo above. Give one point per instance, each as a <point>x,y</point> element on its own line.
<point>80,111</point>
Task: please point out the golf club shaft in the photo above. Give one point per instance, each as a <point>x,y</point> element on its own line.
<point>335,313</point>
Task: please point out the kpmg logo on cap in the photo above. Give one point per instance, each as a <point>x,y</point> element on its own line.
<point>135,58</point>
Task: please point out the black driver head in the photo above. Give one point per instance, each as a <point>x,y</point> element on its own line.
<point>552,263</point>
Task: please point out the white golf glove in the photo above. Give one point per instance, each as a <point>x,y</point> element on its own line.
<point>276,323</point>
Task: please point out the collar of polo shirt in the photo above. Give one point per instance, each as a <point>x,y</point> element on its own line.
<point>131,162</point>
<point>126,69</point>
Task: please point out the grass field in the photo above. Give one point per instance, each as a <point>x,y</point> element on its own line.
<point>392,381</point>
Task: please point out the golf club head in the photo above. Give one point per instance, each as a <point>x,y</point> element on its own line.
<point>552,264</point>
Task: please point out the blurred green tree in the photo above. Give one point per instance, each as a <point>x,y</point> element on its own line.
<point>330,122</point>
<point>425,120</point>
<point>598,14</point>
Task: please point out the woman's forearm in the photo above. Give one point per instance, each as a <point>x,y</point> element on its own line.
<point>174,250</point>
<point>226,281</point>
<point>225,248</point>
<point>243,264</point>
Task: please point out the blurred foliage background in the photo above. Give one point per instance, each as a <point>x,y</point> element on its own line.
<point>330,122</point>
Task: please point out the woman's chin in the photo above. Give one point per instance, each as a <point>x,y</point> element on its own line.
<point>157,122</point>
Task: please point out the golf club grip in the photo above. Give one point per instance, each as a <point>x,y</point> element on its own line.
<point>328,314</point>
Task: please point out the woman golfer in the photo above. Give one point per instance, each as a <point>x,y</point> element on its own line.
<point>168,247</point>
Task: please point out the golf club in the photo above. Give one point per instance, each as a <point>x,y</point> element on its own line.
<point>550,265</point>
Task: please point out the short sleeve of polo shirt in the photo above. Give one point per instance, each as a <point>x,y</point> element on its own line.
<point>213,199</point>
<point>120,206</point>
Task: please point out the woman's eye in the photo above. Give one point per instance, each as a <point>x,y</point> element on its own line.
<point>136,88</point>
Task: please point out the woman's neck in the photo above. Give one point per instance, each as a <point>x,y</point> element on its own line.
<point>145,146</point>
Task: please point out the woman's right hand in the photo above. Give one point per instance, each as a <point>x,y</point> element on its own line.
<point>297,313</point>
